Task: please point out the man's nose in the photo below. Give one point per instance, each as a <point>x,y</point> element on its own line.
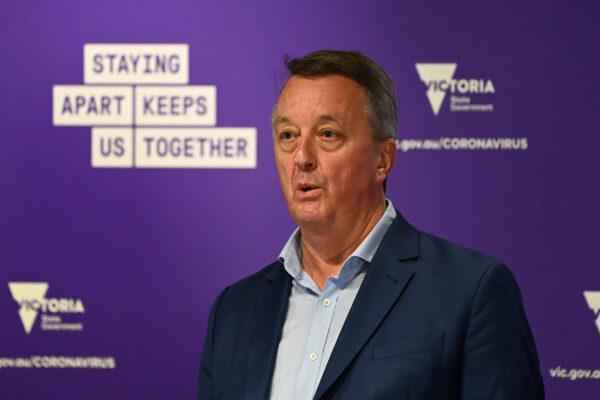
<point>305,156</point>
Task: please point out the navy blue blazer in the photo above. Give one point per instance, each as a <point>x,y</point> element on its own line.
<point>432,320</point>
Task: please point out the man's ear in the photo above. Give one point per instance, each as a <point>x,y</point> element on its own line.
<point>387,156</point>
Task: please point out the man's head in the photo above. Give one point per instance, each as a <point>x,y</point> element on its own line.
<point>379,88</point>
<point>335,128</point>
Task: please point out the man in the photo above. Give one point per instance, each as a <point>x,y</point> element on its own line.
<point>361,305</point>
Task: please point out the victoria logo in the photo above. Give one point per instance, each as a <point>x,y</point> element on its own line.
<point>439,80</point>
<point>593,301</point>
<point>31,298</point>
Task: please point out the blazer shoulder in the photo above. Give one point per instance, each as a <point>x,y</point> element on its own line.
<point>250,284</point>
<point>436,251</point>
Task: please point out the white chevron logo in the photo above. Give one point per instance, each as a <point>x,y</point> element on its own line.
<point>432,75</point>
<point>29,295</point>
<point>593,301</point>
<point>32,300</point>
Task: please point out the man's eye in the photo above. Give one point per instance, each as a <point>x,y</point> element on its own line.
<point>329,134</point>
<point>287,135</point>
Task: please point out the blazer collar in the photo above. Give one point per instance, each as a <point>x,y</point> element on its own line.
<point>270,308</point>
<point>384,282</point>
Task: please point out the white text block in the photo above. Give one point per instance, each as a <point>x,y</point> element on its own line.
<point>135,63</point>
<point>84,105</point>
<point>112,147</point>
<point>176,105</point>
<point>195,148</point>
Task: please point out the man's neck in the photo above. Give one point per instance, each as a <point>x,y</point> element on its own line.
<point>324,250</point>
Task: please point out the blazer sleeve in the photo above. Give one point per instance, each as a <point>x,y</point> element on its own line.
<point>500,360</point>
<point>207,389</point>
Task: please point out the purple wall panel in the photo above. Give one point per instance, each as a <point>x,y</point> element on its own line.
<point>146,250</point>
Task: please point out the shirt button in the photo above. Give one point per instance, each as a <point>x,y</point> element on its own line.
<point>312,356</point>
<point>326,303</point>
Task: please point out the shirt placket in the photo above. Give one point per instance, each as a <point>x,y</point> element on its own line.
<point>315,342</point>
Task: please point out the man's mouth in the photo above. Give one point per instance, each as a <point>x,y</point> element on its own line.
<point>305,187</point>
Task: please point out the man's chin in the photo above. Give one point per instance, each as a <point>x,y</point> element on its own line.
<point>308,215</point>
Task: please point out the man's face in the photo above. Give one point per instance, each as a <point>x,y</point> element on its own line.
<point>329,165</point>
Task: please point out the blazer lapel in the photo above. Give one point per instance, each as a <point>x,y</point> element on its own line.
<point>270,308</point>
<point>384,281</point>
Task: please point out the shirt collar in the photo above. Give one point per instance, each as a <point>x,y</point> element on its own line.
<point>290,255</point>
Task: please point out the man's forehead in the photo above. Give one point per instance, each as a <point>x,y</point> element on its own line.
<point>327,96</point>
<point>320,82</point>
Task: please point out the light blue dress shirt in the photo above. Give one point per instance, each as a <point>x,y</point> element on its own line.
<point>315,317</point>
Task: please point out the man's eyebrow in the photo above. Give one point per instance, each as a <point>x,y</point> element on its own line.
<point>282,120</point>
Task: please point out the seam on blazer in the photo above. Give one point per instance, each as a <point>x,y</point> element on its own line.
<point>206,359</point>
<point>490,267</point>
<point>212,325</point>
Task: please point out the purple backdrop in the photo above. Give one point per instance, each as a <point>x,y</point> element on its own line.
<point>146,251</point>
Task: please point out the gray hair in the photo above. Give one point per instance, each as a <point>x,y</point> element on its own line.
<point>379,87</point>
